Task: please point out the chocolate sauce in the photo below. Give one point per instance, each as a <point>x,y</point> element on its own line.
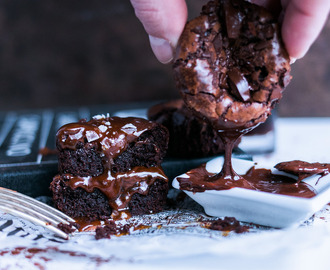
<point>111,134</point>
<point>231,68</point>
<point>304,169</point>
<point>86,225</point>
<point>259,179</point>
<point>120,187</point>
<point>227,177</point>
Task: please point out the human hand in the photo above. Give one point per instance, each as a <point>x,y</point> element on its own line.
<point>164,21</point>
<point>303,21</point>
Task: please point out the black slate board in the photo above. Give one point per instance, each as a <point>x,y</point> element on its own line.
<point>24,133</point>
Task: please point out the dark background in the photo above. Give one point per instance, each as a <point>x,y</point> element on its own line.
<point>82,52</point>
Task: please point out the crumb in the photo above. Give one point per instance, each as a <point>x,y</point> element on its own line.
<point>227,224</point>
<point>68,228</point>
<point>111,228</point>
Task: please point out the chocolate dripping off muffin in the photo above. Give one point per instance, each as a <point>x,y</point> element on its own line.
<point>190,136</point>
<point>231,68</point>
<point>109,166</point>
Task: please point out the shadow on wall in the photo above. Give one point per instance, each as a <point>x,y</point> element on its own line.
<point>80,52</point>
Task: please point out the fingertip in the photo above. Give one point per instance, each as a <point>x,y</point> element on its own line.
<point>301,26</point>
<point>162,49</point>
<point>292,60</point>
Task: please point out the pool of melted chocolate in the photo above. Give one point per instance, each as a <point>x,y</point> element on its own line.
<point>200,179</point>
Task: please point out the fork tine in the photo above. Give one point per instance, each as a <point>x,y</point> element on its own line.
<point>35,220</point>
<point>28,210</point>
<point>36,204</point>
<point>31,209</point>
<point>42,209</point>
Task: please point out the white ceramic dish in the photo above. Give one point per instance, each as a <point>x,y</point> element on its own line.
<point>258,207</point>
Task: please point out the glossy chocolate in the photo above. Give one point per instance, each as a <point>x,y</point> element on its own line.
<point>119,188</point>
<point>111,134</point>
<point>304,169</point>
<point>109,137</point>
<point>190,136</point>
<point>200,179</point>
<point>231,68</point>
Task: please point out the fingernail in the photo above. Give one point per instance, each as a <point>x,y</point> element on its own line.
<point>292,60</point>
<point>162,49</point>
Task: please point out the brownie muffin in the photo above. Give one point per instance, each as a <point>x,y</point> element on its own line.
<point>190,136</point>
<point>110,166</point>
<point>231,65</point>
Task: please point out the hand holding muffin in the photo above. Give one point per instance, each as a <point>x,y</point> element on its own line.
<point>164,21</point>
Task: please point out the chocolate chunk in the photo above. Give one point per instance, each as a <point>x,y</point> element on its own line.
<point>233,21</point>
<point>239,85</point>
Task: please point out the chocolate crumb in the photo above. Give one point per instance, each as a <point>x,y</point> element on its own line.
<point>111,228</point>
<point>227,224</point>
<point>68,228</point>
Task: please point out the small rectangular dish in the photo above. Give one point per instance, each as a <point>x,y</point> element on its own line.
<point>268,209</point>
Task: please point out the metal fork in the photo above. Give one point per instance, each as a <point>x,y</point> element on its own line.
<point>23,206</point>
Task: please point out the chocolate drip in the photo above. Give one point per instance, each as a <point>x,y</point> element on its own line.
<point>227,177</point>
<point>231,68</point>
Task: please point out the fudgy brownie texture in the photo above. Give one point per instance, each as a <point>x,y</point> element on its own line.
<point>190,136</point>
<point>109,166</point>
<point>94,205</point>
<point>231,65</point>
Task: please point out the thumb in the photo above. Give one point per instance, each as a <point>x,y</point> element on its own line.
<point>164,21</point>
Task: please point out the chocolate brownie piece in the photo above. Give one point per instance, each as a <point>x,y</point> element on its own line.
<point>190,136</point>
<point>94,205</point>
<point>110,166</point>
<point>119,144</point>
<point>231,65</point>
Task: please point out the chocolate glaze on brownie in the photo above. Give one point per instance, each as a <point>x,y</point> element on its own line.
<point>304,169</point>
<point>231,66</point>
<point>190,136</point>
<point>110,166</point>
<point>118,144</point>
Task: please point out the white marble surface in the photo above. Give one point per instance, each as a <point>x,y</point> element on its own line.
<point>306,247</point>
